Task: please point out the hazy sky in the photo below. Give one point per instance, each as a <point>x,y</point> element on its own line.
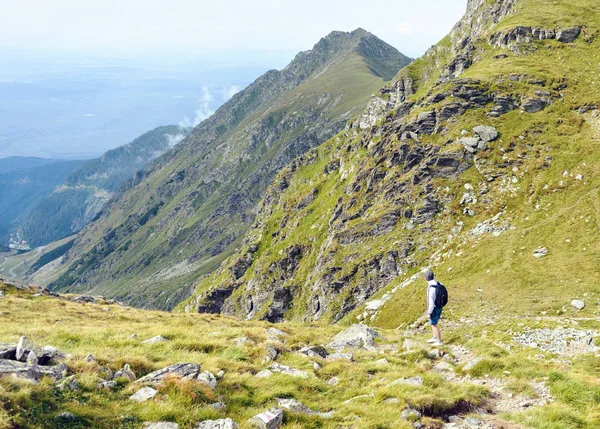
<point>126,28</point>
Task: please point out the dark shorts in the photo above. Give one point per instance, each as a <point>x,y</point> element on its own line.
<point>435,316</point>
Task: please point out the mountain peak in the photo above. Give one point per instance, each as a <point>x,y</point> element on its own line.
<point>383,59</point>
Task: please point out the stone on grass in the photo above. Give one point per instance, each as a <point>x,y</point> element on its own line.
<point>486,133</point>
<point>28,372</point>
<point>533,105</point>
<point>144,394</point>
<point>90,358</point>
<point>270,419</point>
<point>568,35</point>
<point>106,385</point>
<point>578,304</point>
<point>265,373</point>
<point>188,371</point>
<point>382,361</point>
<point>340,356</point>
<point>360,336</point>
<point>217,424</point>
<point>411,414</point>
<point>272,353</point>
<point>541,252</point>
<point>125,372</point>
<point>219,406</point>
<point>294,406</point>
<point>411,381</point>
<point>314,351</point>
<point>157,339</point>
<point>208,379</point>
<point>24,346</point>
<point>443,366</point>
<point>160,425</point>
<point>333,381</point>
<point>283,369</point>
<point>472,422</point>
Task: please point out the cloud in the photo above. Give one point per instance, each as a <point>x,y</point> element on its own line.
<point>203,112</point>
<point>173,139</point>
<point>230,92</point>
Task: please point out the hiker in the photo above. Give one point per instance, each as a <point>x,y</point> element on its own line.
<point>435,303</point>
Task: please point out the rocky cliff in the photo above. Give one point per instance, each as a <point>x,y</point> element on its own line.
<point>182,216</point>
<point>478,160</point>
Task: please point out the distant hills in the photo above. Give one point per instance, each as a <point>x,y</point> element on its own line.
<point>24,183</point>
<point>81,195</point>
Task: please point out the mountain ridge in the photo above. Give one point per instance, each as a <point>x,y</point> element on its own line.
<point>180,217</point>
<point>430,169</point>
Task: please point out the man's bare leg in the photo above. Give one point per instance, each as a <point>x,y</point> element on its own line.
<point>436,332</point>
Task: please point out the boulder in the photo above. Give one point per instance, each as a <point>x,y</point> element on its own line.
<point>219,406</point>
<point>29,372</point>
<point>208,379</point>
<point>272,353</point>
<point>469,143</point>
<point>443,367</point>
<point>217,424</point>
<point>188,371</point>
<point>125,372</point>
<point>144,394</point>
<point>24,346</point>
<point>265,373</point>
<point>360,336</point>
<point>8,351</point>
<point>106,385</point>
<point>294,406</point>
<point>578,304</point>
<point>486,133</point>
<point>270,419</point>
<point>534,105</point>
<point>282,369</point>
<point>410,414</point>
<point>160,425</point>
<point>314,351</point>
<point>412,381</point>
<point>157,339</point>
<point>340,356</point>
<point>568,35</point>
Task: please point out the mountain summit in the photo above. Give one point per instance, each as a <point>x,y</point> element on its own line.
<point>179,218</point>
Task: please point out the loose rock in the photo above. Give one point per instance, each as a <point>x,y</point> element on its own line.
<point>157,339</point>
<point>270,419</point>
<point>144,394</point>
<point>187,371</point>
<point>360,336</point>
<point>208,379</point>
<point>217,424</point>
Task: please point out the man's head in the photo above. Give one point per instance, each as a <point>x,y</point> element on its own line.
<point>428,275</point>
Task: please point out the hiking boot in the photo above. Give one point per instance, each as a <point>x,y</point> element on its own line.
<point>437,343</point>
<point>432,340</point>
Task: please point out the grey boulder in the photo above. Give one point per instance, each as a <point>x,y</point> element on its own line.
<point>188,371</point>
<point>31,372</point>
<point>144,394</point>
<point>359,336</point>
<point>486,133</point>
<point>568,35</point>
<point>270,419</point>
<point>217,424</point>
<point>160,425</point>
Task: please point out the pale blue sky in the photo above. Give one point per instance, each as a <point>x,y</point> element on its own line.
<point>145,28</point>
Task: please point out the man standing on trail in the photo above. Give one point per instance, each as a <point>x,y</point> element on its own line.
<point>434,312</point>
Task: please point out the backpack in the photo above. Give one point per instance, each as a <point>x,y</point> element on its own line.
<point>441,295</point>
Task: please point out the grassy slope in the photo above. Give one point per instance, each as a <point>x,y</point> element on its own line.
<point>106,330</point>
<point>513,281</point>
<point>349,78</point>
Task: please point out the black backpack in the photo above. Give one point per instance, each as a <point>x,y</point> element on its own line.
<point>441,295</point>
